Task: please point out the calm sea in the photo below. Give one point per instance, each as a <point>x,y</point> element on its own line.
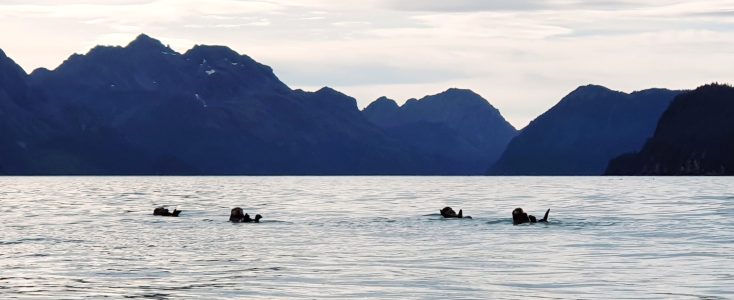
<point>366,237</point>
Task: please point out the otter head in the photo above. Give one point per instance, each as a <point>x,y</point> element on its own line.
<point>160,211</point>
<point>257,218</point>
<point>236,215</point>
<point>448,212</point>
<point>519,216</point>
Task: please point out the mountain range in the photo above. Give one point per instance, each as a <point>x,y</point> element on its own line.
<point>580,134</point>
<point>695,136</point>
<point>457,125</point>
<point>145,109</point>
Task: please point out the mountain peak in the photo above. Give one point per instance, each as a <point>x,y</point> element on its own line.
<point>6,63</point>
<point>590,88</point>
<point>591,94</point>
<point>453,98</point>
<point>335,99</point>
<point>212,52</point>
<point>143,41</point>
<point>382,104</point>
<point>329,91</point>
<point>386,100</point>
<point>458,92</point>
<point>332,93</point>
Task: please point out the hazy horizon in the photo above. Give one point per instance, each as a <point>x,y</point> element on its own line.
<point>522,56</point>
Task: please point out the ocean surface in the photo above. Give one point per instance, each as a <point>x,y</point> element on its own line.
<point>367,238</point>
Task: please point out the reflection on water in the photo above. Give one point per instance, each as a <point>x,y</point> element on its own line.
<point>366,237</point>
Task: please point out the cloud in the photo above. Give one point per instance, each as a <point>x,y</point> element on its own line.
<point>466,5</point>
<point>515,5</point>
<point>522,55</point>
<point>148,11</point>
<point>350,74</point>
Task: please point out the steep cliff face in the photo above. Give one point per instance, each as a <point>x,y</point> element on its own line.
<point>695,136</point>
<point>19,127</point>
<point>456,126</point>
<point>586,129</point>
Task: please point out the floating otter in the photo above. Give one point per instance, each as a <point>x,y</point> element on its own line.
<point>448,212</point>
<point>162,211</point>
<point>237,216</point>
<point>520,217</point>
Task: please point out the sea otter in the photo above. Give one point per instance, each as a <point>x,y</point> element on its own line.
<point>520,217</point>
<point>237,216</point>
<point>162,211</point>
<point>448,212</point>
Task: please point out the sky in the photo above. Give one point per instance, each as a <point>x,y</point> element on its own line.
<point>521,55</point>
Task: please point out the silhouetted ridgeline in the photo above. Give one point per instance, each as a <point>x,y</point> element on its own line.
<point>146,109</point>
<point>580,134</point>
<point>456,126</point>
<point>695,136</point>
<point>19,128</point>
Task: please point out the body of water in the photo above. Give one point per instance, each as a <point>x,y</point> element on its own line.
<point>367,237</point>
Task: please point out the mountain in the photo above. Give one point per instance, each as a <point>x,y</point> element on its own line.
<point>695,136</point>
<point>147,109</point>
<point>580,134</point>
<point>19,127</point>
<point>457,126</point>
<point>13,88</point>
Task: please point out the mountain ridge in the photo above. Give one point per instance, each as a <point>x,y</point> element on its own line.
<point>694,136</point>
<point>583,131</point>
<point>456,124</point>
<point>147,109</point>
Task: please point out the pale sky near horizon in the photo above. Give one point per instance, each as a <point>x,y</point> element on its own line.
<point>521,55</point>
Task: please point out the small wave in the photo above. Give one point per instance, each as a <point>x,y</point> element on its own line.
<point>132,194</point>
<point>702,297</point>
<point>263,269</point>
<point>560,223</point>
<point>261,222</point>
<point>499,221</point>
<point>150,296</point>
<point>582,223</point>
<point>714,197</point>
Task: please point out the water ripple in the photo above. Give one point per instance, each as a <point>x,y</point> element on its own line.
<point>366,237</point>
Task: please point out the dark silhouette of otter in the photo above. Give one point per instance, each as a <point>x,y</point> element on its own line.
<point>448,212</point>
<point>520,217</point>
<point>237,216</point>
<point>162,211</point>
<point>248,219</point>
